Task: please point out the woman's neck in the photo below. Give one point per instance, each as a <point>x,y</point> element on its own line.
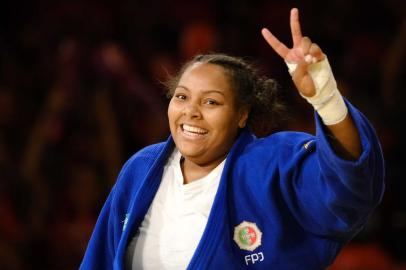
<point>192,171</point>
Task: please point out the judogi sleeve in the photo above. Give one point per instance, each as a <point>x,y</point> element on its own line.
<point>333,197</point>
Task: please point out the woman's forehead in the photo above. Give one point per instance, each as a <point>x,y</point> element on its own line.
<point>206,75</point>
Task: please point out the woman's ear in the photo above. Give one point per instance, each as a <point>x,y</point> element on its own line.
<point>243,116</point>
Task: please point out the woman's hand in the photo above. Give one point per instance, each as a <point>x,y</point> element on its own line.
<point>346,142</point>
<point>303,53</point>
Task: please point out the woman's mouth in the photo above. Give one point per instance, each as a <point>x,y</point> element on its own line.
<point>193,131</point>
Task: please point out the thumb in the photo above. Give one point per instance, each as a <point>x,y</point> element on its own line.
<point>302,79</point>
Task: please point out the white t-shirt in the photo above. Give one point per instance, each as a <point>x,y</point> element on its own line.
<point>174,224</point>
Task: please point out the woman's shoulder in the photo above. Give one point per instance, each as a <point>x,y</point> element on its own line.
<point>145,156</point>
<point>138,165</point>
<point>283,139</point>
<point>149,151</point>
<point>278,147</point>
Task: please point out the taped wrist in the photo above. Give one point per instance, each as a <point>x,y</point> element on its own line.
<point>327,100</point>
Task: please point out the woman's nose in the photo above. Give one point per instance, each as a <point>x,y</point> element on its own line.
<point>192,110</point>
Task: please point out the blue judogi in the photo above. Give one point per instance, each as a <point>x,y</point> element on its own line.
<point>304,200</point>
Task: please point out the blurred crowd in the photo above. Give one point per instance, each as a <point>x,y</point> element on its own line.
<point>81,91</point>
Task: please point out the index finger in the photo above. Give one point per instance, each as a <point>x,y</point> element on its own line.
<point>295,27</point>
<point>278,46</point>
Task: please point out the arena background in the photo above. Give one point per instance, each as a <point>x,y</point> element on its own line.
<point>81,90</point>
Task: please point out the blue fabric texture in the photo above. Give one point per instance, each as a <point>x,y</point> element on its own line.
<point>305,200</point>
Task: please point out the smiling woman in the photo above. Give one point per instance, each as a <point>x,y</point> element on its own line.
<point>204,118</point>
<point>214,196</point>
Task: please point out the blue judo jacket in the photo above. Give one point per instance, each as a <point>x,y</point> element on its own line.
<point>286,201</point>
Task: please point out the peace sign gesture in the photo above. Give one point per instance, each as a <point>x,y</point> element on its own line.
<point>303,53</point>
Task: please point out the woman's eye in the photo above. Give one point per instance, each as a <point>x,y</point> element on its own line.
<point>179,96</point>
<point>211,102</point>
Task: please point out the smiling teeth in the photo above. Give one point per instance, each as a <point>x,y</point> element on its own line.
<point>194,129</point>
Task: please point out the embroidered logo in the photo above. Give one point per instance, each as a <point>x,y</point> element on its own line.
<point>247,236</point>
<point>306,145</point>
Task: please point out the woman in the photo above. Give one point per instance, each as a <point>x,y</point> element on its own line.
<point>215,197</point>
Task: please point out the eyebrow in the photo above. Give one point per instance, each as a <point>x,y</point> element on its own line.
<point>204,91</point>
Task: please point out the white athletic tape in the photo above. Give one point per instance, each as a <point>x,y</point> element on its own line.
<point>327,101</point>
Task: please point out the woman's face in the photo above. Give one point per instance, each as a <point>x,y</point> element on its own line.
<point>203,115</point>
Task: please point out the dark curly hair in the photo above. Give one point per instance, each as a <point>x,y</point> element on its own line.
<point>257,92</point>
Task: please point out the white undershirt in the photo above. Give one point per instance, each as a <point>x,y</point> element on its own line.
<point>174,224</point>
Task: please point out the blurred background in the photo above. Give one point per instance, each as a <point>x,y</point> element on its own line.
<point>81,91</point>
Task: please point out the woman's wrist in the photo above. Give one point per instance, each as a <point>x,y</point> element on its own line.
<point>327,101</point>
